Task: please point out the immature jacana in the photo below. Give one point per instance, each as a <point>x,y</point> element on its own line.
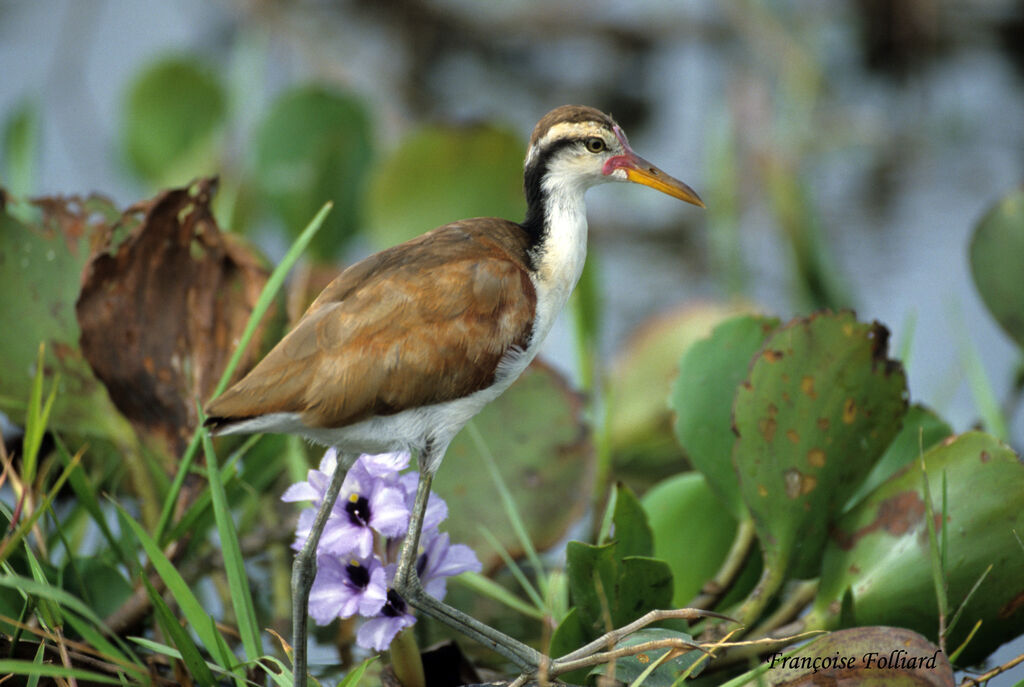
<point>404,347</point>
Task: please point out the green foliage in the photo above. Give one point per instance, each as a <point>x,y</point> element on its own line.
<point>819,407</point>
<point>879,548</point>
<point>314,147</point>
<point>174,116</point>
<point>691,529</point>
<point>20,148</point>
<point>657,667</point>
<point>702,397</point>
<point>997,262</point>
<point>40,279</point>
<point>443,174</point>
<point>534,432</point>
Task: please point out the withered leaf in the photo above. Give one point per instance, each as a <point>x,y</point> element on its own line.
<point>162,307</point>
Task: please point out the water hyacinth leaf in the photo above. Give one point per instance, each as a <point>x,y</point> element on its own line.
<point>692,531</point>
<point>173,120</point>
<point>997,261</point>
<point>442,174</point>
<point>314,146</point>
<point>536,434</point>
<point>630,668</point>
<point>640,429</point>
<point>710,372</point>
<point>162,307</point>
<point>861,656</point>
<point>922,429</point>
<point>631,530</point>
<point>21,147</point>
<point>879,550</point>
<point>821,404</point>
<point>40,276</point>
<point>606,587</point>
<point>571,634</point>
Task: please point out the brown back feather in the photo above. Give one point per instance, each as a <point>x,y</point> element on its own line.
<point>421,323</point>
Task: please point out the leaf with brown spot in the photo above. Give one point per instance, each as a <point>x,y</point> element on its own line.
<point>879,550</point>
<point>889,656</point>
<point>162,307</point>
<point>794,481</point>
<point>43,249</point>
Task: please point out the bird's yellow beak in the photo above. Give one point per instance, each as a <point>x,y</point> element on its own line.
<point>640,171</point>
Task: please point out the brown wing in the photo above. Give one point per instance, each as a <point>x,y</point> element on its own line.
<point>420,323</point>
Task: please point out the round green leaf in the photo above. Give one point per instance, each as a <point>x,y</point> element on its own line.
<point>314,146</point>
<point>442,174</point>
<point>535,434</point>
<point>174,113</point>
<point>880,550</point>
<point>821,404</point>
<point>710,372</point>
<point>639,417</point>
<point>692,531</point>
<point>997,262</point>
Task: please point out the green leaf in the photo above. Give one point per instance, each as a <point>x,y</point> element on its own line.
<point>854,658</point>
<point>101,584</point>
<point>21,148</point>
<point>571,634</point>
<point>234,565</point>
<point>188,650</point>
<point>536,434</point>
<point>17,667</point>
<point>710,372</point>
<point>632,533</point>
<point>692,531</point>
<point>879,550</point>
<point>201,622</point>
<point>173,119</point>
<point>821,404</point>
<point>630,668</point>
<point>610,589</point>
<point>997,262</point>
<point>314,147</point>
<point>593,573</point>
<point>444,174</point>
<point>40,277</point>
<point>922,429</point>
<point>640,423</point>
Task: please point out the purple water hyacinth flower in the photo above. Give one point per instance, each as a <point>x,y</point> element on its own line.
<point>437,509</point>
<point>366,503</point>
<point>343,588</point>
<point>386,465</point>
<point>439,559</point>
<point>378,632</point>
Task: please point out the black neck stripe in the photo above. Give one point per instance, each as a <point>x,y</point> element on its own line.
<point>533,185</point>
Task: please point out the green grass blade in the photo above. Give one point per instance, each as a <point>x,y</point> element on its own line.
<point>28,668</point>
<point>37,661</point>
<point>194,612</point>
<point>514,568</point>
<point>356,674</point>
<point>493,590</point>
<point>234,565</point>
<point>188,651</point>
<point>509,505</point>
<point>86,495</point>
<point>12,542</point>
<point>266,298</point>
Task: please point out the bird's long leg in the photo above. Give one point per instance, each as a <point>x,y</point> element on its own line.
<point>304,570</point>
<point>407,584</point>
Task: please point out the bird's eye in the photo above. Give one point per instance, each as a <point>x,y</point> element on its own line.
<point>595,144</point>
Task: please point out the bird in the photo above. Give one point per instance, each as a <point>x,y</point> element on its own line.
<point>403,348</point>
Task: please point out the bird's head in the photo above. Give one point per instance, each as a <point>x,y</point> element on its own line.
<point>574,145</point>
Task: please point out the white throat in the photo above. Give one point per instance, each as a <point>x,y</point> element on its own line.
<point>561,254</point>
